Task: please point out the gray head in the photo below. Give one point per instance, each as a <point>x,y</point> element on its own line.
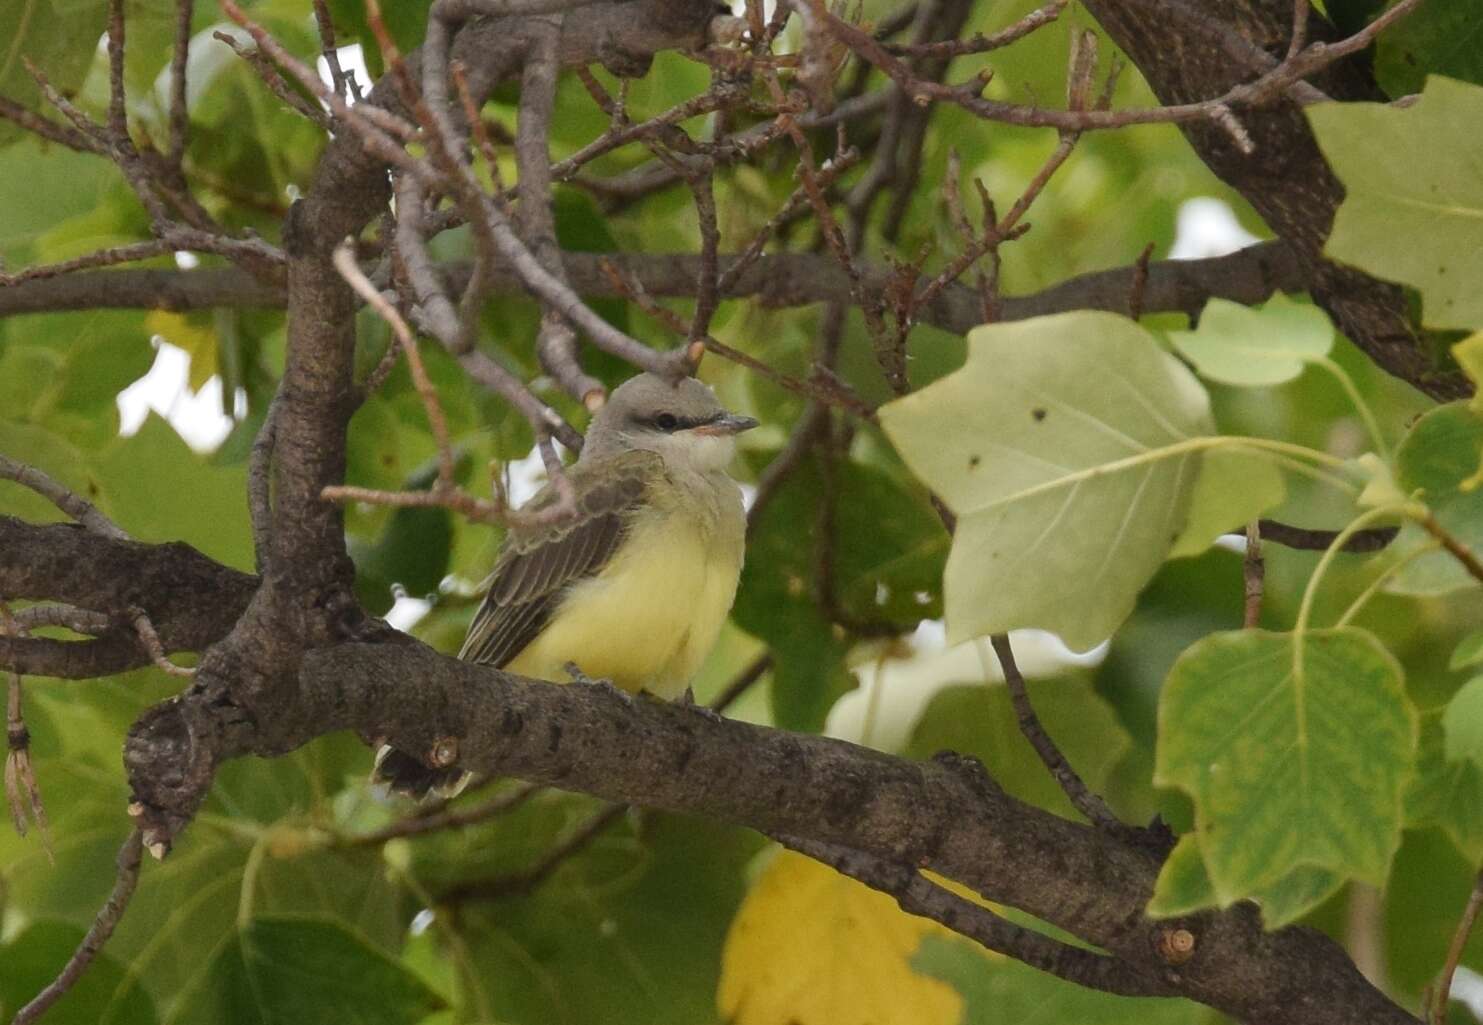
<point>683,421</point>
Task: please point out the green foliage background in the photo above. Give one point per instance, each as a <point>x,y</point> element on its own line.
<point>266,897</point>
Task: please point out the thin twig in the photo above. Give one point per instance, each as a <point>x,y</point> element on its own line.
<point>707,281</point>
<point>98,258</point>
<point>480,510</point>
<point>44,128</point>
<point>442,322</point>
<point>440,817</point>
<point>81,510</point>
<point>341,81</point>
<point>1253,574</point>
<point>344,261</point>
<point>269,75</point>
<point>97,935</point>
<point>831,391</point>
<point>152,644</point>
<point>1438,1010</point>
<point>1083,799</point>
<point>179,58</point>
<point>919,895</point>
<point>1264,89</point>
<point>1459,551</point>
<point>1305,540</point>
<point>82,621</point>
<point>556,342</point>
<point>981,43</point>
<point>524,881</point>
<point>829,173</point>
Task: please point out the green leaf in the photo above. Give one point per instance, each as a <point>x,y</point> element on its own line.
<point>1469,652</point>
<point>1426,893</point>
<point>979,720</point>
<point>1437,457</point>
<point>33,958</point>
<point>412,552</point>
<point>59,184</point>
<point>1295,751</point>
<point>58,36</point>
<point>1463,723</point>
<point>159,490</point>
<point>1256,346</point>
<point>888,548</point>
<point>1436,39</point>
<point>56,457</point>
<point>292,968</point>
<point>28,375</point>
<point>1003,990</point>
<point>1059,444</point>
<point>1446,793</point>
<point>628,933</point>
<point>1184,887</point>
<point>1416,221</point>
<point>1234,488</point>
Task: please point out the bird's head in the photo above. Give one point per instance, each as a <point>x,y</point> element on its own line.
<point>682,421</point>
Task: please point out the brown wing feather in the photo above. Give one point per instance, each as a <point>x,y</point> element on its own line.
<point>537,565</point>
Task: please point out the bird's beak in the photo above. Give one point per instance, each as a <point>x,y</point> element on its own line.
<point>727,423</point>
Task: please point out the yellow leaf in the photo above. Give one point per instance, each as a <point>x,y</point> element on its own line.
<point>189,333</point>
<point>812,947</point>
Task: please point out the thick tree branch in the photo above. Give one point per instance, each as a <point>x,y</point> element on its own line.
<point>946,815</point>
<point>191,600</point>
<point>777,280</point>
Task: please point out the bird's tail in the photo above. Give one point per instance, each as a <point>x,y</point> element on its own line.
<point>400,773</point>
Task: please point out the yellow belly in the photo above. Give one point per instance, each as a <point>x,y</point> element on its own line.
<point>649,619</point>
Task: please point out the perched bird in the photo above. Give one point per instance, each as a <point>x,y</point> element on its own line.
<point>636,585</point>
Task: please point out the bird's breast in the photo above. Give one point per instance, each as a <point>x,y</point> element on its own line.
<point>647,621</point>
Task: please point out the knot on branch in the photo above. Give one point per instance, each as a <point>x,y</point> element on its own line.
<point>170,758</point>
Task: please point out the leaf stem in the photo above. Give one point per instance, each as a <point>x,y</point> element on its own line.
<point>1305,610</point>
<point>1380,580</point>
<point>1360,405</point>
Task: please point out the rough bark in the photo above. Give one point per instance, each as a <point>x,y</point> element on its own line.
<point>1192,50</point>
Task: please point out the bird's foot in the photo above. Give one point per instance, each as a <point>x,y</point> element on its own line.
<point>575,672</point>
<point>706,711</point>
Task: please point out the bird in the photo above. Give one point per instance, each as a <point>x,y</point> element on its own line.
<point>634,586</point>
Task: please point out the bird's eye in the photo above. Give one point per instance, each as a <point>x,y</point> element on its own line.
<point>666,421</point>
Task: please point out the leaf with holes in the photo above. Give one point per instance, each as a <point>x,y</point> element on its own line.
<point>1295,750</point>
<point>1063,444</point>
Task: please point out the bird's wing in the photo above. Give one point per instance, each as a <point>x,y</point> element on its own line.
<point>537,564</point>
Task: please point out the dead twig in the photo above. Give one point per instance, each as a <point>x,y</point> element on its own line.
<point>97,935</point>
